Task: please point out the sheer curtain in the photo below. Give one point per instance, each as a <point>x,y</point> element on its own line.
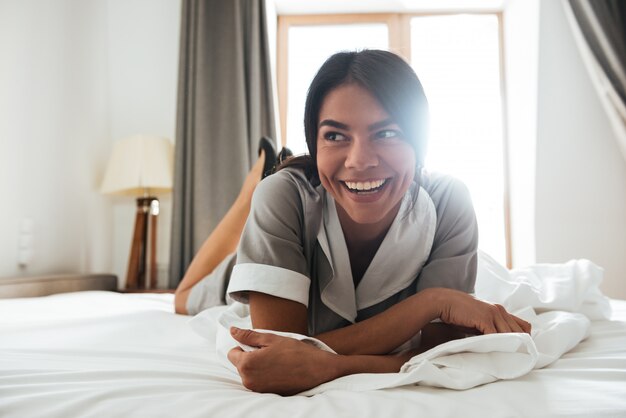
<point>224,106</point>
<point>598,27</point>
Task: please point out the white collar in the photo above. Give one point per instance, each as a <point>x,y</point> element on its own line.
<point>397,263</point>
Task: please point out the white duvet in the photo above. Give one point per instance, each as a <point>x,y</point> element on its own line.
<point>558,300</point>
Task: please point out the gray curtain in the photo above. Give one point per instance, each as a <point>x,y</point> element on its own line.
<point>224,107</point>
<point>599,31</point>
<point>602,24</point>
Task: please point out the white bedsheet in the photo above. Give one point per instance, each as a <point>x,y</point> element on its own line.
<point>103,354</point>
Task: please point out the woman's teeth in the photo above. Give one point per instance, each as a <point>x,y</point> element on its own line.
<point>365,186</point>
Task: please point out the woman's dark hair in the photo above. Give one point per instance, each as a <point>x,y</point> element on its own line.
<point>388,78</point>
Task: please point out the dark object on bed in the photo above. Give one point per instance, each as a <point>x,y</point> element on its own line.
<point>23,287</point>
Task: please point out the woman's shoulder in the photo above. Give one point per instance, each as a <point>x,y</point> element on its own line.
<point>452,201</point>
<point>288,184</point>
<point>452,261</point>
<point>286,199</point>
<point>290,178</point>
<point>445,190</point>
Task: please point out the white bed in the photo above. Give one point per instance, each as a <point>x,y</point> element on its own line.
<point>100,353</point>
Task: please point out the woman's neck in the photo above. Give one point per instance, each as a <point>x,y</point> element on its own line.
<point>363,240</point>
<point>360,236</point>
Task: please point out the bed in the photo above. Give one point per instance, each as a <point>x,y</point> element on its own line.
<point>102,353</point>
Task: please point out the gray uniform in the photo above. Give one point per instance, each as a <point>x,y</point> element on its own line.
<point>293,247</point>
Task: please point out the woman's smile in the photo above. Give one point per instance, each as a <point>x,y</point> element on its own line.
<point>366,190</point>
<point>365,187</point>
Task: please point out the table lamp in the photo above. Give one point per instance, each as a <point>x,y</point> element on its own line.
<point>141,166</point>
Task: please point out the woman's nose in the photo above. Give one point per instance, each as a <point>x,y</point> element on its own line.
<point>361,155</point>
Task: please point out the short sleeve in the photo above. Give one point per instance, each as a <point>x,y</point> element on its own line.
<point>453,258</point>
<point>270,256</point>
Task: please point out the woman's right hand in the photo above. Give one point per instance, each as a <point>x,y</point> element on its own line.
<point>458,308</point>
<point>280,364</point>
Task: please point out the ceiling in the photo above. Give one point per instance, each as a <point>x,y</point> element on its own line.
<point>293,7</point>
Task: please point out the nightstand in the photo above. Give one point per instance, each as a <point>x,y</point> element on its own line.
<point>28,287</point>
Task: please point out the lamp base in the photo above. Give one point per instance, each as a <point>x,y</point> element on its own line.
<point>142,263</point>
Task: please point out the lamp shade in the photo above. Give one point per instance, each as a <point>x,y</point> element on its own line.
<point>139,165</point>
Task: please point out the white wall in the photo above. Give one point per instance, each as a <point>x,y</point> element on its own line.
<point>76,75</point>
<point>53,134</point>
<point>143,37</point>
<point>581,174</point>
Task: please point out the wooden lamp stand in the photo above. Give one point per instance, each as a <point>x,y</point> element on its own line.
<point>142,264</point>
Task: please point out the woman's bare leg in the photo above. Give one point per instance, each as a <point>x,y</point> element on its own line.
<point>222,241</point>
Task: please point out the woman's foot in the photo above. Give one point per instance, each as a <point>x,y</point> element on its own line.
<point>284,154</point>
<point>266,145</point>
<point>262,168</point>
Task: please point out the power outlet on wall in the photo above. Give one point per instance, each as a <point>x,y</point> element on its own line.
<point>25,242</point>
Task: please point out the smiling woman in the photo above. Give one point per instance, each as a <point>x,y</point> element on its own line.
<point>354,244</point>
<point>457,57</point>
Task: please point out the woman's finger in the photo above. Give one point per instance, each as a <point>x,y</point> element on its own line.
<point>513,325</point>
<point>501,324</point>
<point>499,320</point>
<point>250,337</point>
<point>234,355</point>
<point>489,328</point>
<point>525,325</point>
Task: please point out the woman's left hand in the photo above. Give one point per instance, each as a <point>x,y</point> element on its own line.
<point>281,365</point>
<point>464,310</point>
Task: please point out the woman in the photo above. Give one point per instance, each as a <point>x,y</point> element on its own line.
<point>353,244</point>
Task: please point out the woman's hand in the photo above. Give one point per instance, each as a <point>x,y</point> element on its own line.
<point>287,366</point>
<point>459,308</point>
<point>281,365</point>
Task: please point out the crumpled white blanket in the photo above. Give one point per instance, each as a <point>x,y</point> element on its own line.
<point>558,300</point>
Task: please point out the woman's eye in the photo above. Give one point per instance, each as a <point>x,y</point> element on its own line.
<point>334,136</point>
<point>387,133</point>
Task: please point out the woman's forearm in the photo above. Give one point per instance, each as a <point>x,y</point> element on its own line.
<point>390,363</point>
<point>386,331</point>
<point>383,333</point>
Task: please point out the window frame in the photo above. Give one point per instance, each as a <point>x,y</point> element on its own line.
<point>399,27</point>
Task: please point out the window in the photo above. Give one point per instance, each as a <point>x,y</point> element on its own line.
<point>458,59</point>
<point>309,46</point>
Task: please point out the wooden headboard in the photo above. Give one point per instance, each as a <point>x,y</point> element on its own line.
<point>23,287</point>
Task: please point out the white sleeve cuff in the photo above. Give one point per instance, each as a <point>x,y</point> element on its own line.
<point>271,280</point>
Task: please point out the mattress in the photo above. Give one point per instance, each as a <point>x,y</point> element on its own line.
<point>97,353</point>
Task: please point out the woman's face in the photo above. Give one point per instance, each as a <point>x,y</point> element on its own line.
<point>363,159</point>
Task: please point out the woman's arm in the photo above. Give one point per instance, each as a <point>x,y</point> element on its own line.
<point>380,334</point>
<point>377,335</point>
<point>388,330</point>
<point>287,366</point>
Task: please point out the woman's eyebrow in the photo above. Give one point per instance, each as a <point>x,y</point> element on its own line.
<point>339,125</point>
<point>334,124</point>
<point>380,124</point>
